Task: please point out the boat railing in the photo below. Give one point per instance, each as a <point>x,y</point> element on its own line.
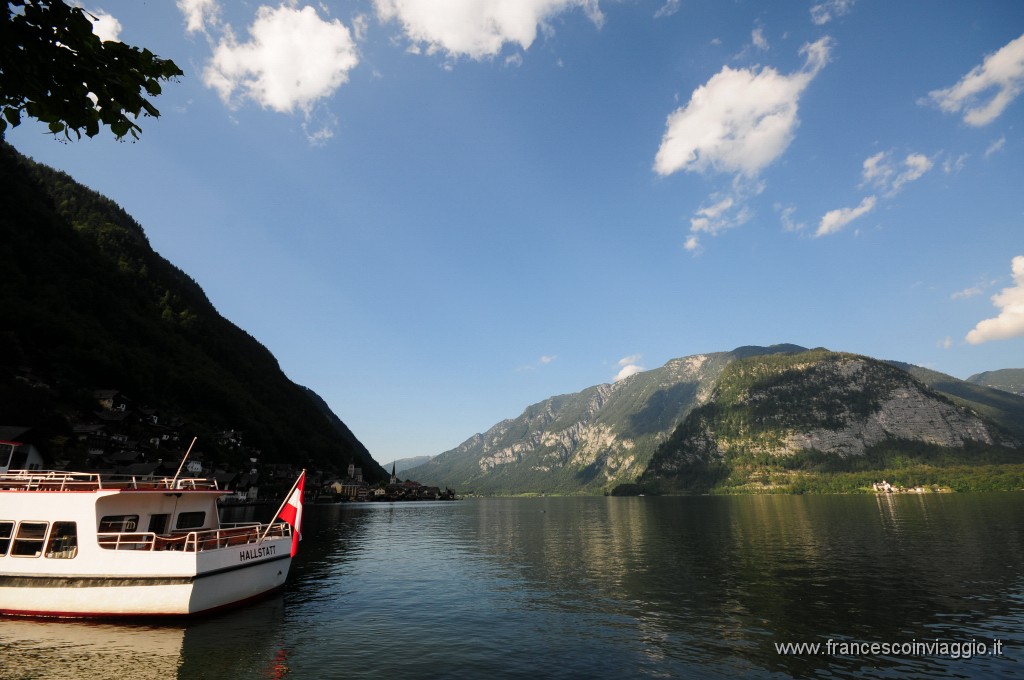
<point>48,480</point>
<point>59,480</point>
<point>194,541</point>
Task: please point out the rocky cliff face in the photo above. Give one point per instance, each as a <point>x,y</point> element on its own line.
<point>909,414</point>
<point>767,410</point>
<point>586,441</point>
<point>754,404</point>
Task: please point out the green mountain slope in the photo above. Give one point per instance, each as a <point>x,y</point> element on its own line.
<point>585,442</point>
<point>85,303</point>
<point>1007,379</point>
<point>825,412</point>
<point>701,420</point>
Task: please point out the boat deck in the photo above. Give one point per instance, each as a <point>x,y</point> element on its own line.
<point>195,541</point>
<point>27,480</point>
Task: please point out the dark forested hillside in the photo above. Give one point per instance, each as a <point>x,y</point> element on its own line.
<point>85,304</point>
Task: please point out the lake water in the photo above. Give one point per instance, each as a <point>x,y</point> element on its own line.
<point>586,587</point>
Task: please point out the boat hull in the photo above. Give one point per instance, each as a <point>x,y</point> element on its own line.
<point>228,578</point>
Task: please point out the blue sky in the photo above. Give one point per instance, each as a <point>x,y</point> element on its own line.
<point>435,213</point>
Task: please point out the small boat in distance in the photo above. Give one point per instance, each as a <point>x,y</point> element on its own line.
<point>82,545</point>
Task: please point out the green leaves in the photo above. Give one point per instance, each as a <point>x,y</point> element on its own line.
<point>55,69</point>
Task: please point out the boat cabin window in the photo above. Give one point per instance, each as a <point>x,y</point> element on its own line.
<point>118,523</point>
<point>6,531</point>
<point>158,523</point>
<point>63,543</point>
<point>29,540</point>
<point>191,520</point>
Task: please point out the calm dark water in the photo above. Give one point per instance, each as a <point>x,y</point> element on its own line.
<point>587,587</point>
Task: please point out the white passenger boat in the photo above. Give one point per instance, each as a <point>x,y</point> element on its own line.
<point>86,545</point>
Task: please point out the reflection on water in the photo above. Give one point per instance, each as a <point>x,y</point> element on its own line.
<point>710,584</point>
<point>580,587</point>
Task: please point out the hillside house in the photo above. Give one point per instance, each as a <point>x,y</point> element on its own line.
<point>110,400</point>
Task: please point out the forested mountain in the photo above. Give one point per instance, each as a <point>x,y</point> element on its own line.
<point>588,441</point>
<point>1007,379</point>
<point>715,421</point>
<point>86,304</point>
<point>774,421</point>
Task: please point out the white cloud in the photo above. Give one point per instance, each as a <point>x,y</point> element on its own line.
<point>198,14</point>
<point>1001,72</point>
<point>105,26</point>
<point>914,167</point>
<point>877,169</point>
<point>668,9</point>
<point>628,366</point>
<point>627,371</point>
<point>294,59</point>
<point>1010,301</point>
<point>786,217</point>
<point>995,146</point>
<point>757,37</point>
<point>946,342</point>
<point>319,125</point>
<point>724,211</point>
<point>823,13</point>
<point>477,28</point>
<point>951,165</point>
<point>834,220</point>
<point>708,218</point>
<point>740,121</point>
<point>973,291</point>
<point>717,217</point>
<point>543,361</point>
<point>881,172</point>
<point>360,25</point>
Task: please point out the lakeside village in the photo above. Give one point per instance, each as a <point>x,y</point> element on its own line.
<point>121,439</point>
<point>885,487</point>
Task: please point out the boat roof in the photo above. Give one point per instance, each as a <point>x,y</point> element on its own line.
<point>59,480</point>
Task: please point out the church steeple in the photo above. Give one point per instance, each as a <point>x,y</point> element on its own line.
<point>394,477</point>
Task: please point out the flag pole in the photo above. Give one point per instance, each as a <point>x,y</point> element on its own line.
<point>174,482</point>
<point>281,507</point>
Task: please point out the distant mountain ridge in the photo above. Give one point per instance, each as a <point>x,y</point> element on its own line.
<point>610,437</point>
<point>85,303</point>
<point>1008,379</point>
<point>402,465</point>
<point>587,441</point>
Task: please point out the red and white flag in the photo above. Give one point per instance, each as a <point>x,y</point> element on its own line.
<point>291,511</point>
